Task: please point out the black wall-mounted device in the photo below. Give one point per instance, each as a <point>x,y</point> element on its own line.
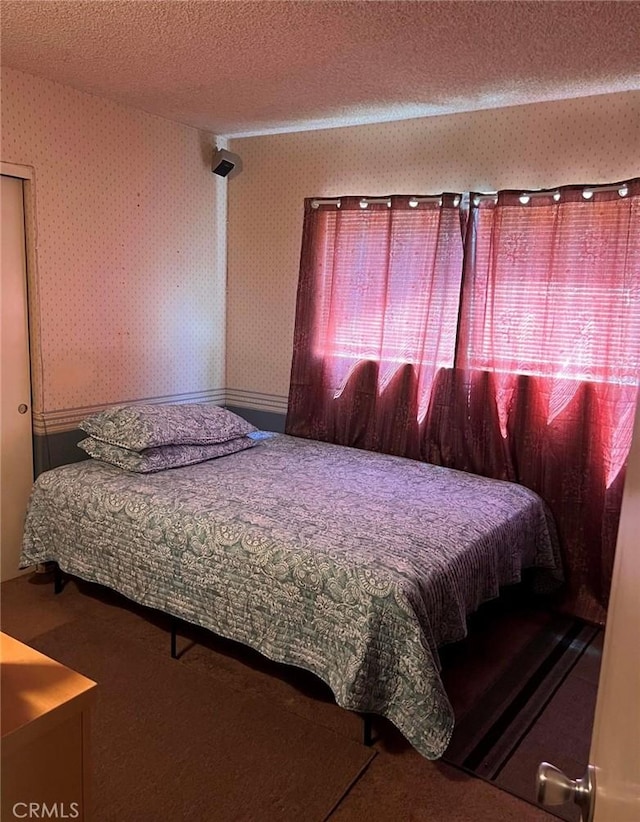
<point>226,163</point>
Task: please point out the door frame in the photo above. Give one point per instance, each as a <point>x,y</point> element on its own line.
<point>27,174</point>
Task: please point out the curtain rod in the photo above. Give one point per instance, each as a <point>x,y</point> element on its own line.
<point>366,201</point>
<point>587,193</point>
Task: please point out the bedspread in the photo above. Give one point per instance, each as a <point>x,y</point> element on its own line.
<point>354,565</point>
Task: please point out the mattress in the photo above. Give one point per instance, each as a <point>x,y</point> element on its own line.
<point>354,565</point>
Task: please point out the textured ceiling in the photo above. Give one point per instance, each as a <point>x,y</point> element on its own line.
<point>235,67</point>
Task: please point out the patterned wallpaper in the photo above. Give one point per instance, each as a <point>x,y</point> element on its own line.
<point>130,279</point>
<point>587,140</point>
<point>129,284</point>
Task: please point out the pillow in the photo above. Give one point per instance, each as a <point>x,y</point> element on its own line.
<point>147,426</point>
<point>163,456</point>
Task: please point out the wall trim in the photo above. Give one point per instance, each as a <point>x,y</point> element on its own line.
<point>16,170</point>
<point>242,398</point>
<point>67,419</point>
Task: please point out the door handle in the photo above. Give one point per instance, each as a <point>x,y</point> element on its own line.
<point>22,408</point>
<point>555,788</point>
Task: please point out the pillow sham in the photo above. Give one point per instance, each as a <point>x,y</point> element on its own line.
<point>148,426</point>
<point>163,456</point>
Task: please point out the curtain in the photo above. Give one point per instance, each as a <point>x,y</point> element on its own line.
<point>514,353</point>
<point>376,318</point>
<point>548,362</point>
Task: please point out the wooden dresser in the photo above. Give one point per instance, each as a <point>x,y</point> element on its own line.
<point>45,736</point>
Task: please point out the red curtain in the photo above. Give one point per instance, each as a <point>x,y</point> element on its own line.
<point>548,363</point>
<point>377,311</point>
<point>531,375</point>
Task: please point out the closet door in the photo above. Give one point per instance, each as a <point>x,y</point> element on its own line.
<point>16,446</point>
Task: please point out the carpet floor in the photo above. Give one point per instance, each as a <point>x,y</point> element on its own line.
<point>397,784</point>
<point>540,707</point>
<point>170,742</point>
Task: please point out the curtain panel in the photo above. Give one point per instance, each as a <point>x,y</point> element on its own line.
<point>512,351</point>
<point>548,363</point>
<point>376,318</point>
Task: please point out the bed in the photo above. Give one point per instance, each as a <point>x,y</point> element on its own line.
<point>354,565</point>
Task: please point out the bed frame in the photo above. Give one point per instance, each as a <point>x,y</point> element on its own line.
<point>60,580</point>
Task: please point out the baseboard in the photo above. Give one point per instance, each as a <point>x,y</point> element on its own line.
<point>264,420</point>
<point>58,448</point>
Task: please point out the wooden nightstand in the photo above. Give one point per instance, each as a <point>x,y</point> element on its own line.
<point>45,735</point>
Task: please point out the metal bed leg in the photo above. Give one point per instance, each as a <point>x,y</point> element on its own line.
<point>367,730</point>
<point>174,624</point>
<point>58,579</point>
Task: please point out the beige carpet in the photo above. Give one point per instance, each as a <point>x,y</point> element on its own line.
<point>399,784</point>
<point>173,743</point>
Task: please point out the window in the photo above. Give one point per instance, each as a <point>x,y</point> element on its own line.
<point>551,289</point>
<point>387,283</point>
<point>554,286</point>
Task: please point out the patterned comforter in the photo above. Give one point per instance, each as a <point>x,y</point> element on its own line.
<point>354,565</point>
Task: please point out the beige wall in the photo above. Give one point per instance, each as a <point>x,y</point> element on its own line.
<point>130,280</point>
<point>590,140</point>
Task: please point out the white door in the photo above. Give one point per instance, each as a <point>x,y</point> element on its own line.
<point>615,744</point>
<point>614,769</point>
<point>16,448</point>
